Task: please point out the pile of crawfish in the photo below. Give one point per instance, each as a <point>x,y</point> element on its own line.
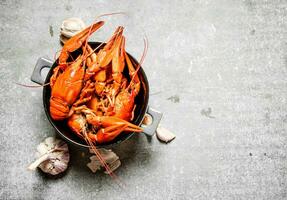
<point>91,93</point>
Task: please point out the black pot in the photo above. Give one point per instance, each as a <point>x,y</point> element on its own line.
<point>61,126</point>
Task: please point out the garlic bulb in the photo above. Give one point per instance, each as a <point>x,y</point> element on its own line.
<point>71,27</point>
<point>53,156</point>
<point>108,156</point>
<point>164,135</point>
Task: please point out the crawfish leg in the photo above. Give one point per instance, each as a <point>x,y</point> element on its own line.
<point>86,94</point>
<point>107,121</point>
<point>54,76</point>
<point>110,133</point>
<point>82,101</point>
<point>107,134</point>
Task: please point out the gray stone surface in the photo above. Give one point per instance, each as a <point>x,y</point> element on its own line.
<point>217,69</point>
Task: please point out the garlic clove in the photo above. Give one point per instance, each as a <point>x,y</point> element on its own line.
<point>57,164</point>
<point>41,149</point>
<point>53,156</point>
<point>37,162</point>
<point>94,166</point>
<point>71,27</point>
<point>73,24</point>
<point>113,166</point>
<point>108,156</point>
<point>50,142</point>
<point>164,135</point>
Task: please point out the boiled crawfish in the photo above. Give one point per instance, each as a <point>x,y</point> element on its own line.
<point>67,85</point>
<point>92,91</point>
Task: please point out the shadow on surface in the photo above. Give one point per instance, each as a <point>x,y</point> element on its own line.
<point>128,152</point>
<point>135,154</point>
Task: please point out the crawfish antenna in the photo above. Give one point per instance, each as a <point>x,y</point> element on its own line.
<point>99,156</point>
<point>141,61</point>
<point>109,14</point>
<point>86,43</point>
<point>31,86</point>
<point>103,15</point>
<point>100,45</point>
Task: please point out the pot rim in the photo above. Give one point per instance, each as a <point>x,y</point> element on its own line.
<point>145,105</point>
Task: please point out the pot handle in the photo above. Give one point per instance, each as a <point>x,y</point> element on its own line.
<point>156,117</point>
<point>41,63</point>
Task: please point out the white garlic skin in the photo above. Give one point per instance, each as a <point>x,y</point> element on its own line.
<point>111,159</point>
<point>57,163</point>
<point>71,27</point>
<point>114,165</point>
<point>53,156</point>
<point>164,135</point>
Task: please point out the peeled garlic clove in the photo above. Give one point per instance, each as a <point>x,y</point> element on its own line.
<point>107,155</point>
<point>53,156</point>
<point>164,135</point>
<point>110,158</point>
<point>71,27</point>
<point>113,166</point>
<point>94,166</point>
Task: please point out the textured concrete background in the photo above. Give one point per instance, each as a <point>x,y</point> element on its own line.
<point>217,69</point>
